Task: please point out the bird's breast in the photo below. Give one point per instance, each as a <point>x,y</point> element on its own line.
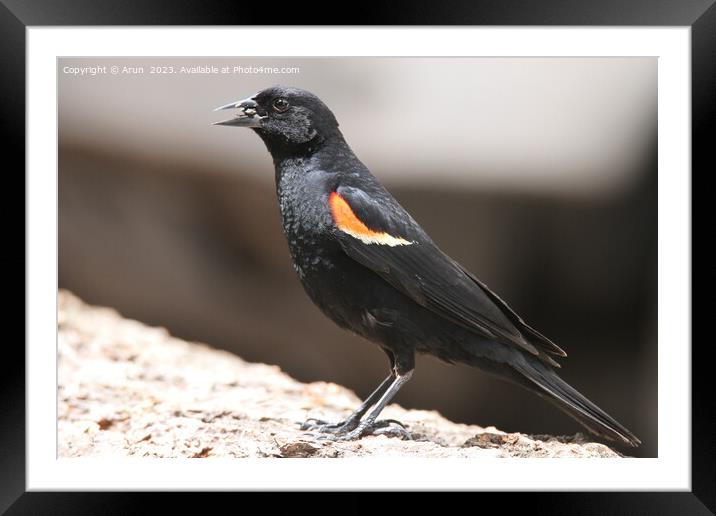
<point>303,198</point>
<point>337,284</point>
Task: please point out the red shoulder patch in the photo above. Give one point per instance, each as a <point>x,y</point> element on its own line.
<point>347,221</point>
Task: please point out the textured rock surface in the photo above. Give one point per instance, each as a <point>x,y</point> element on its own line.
<point>126,389</point>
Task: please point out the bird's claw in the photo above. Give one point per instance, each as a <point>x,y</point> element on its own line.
<point>323,427</point>
<point>394,431</point>
<point>312,422</point>
<point>387,427</point>
<point>385,422</point>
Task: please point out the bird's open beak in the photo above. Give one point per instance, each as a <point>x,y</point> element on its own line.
<point>248,117</point>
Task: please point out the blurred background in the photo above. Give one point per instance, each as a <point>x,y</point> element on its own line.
<point>537,174</point>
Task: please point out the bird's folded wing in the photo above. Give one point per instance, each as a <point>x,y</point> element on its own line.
<point>418,268</point>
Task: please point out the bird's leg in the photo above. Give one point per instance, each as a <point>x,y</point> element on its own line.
<point>370,426</point>
<point>351,422</point>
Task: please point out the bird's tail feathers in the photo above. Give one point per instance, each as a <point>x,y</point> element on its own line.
<point>545,382</point>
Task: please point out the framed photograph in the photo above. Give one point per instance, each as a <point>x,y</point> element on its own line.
<point>195,193</point>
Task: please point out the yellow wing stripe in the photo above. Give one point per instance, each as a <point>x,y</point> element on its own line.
<point>347,221</point>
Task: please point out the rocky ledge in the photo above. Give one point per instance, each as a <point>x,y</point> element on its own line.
<point>127,389</point>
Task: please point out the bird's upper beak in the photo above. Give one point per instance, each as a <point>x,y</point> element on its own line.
<point>248,117</point>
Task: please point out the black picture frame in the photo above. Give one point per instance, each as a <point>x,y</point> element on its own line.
<point>16,15</point>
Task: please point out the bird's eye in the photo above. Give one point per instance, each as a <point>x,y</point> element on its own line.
<point>280,105</point>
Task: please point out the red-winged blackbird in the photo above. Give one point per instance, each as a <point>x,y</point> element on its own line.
<point>372,269</point>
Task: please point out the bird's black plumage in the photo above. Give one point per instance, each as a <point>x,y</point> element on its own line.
<point>370,267</point>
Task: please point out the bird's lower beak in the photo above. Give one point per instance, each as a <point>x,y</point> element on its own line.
<point>248,116</point>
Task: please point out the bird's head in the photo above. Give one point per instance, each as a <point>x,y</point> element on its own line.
<point>284,117</point>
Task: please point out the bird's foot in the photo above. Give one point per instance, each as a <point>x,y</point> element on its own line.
<point>323,427</point>
<point>387,427</point>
